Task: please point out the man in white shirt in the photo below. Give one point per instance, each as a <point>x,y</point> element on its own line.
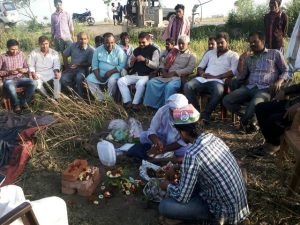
<point>44,66</point>
<point>216,65</point>
<point>48,211</point>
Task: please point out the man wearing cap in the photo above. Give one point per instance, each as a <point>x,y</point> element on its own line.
<point>179,63</point>
<point>162,137</point>
<point>211,188</point>
<point>62,29</point>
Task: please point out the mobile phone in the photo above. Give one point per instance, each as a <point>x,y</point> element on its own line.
<point>2,178</point>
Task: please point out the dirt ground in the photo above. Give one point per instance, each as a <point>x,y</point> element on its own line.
<point>266,183</point>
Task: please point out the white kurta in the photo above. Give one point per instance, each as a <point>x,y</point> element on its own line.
<point>293,51</point>
<point>48,211</point>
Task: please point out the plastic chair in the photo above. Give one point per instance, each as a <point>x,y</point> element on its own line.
<point>23,211</point>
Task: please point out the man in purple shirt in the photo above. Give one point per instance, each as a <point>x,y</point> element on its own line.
<point>264,71</point>
<point>61,28</point>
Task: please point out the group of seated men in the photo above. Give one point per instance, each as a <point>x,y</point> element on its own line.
<point>254,77</point>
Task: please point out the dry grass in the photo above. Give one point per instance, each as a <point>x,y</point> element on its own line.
<point>77,121</point>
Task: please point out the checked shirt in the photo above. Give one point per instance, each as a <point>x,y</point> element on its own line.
<point>211,169</point>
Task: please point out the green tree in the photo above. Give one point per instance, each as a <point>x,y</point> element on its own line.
<point>292,9</point>
<point>25,8</point>
<point>244,7</point>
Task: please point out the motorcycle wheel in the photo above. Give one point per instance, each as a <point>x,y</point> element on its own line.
<point>90,21</point>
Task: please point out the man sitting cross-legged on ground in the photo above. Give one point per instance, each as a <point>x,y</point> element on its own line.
<point>162,137</point>
<point>275,116</point>
<point>81,54</point>
<point>142,63</point>
<point>211,188</point>
<point>216,65</point>
<point>44,66</point>
<point>265,71</point>
<point>13,67</point>
<point>179,62</point>
<point>108,61</point>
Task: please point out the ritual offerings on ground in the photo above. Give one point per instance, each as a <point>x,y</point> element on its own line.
<point>81,178</point>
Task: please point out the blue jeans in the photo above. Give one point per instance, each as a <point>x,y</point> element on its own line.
<point>214,89</point>
<point>251,97</point>
<point>10,86</point>
<point>196,210</point>
<point>74,78</point>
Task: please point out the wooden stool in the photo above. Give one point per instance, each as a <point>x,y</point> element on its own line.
<point>6,100</point>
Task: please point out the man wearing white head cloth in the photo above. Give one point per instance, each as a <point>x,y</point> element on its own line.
<point>179,63</point>
<point>162,137</point>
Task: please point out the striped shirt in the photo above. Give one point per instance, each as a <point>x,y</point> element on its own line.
<point>211,169</point>
<point>9,62</point>
<point>265,69</point>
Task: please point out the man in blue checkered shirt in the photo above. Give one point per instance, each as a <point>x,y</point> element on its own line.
<point>211,187</point>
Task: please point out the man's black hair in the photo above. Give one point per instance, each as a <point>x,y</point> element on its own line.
<point>190,128</point>
<point>278,2</point>
<point>43,38</point>
<point>171,41</point>
<point>99,39</point>
<point>12,42</point>
<point>108,34</point>
<point>259,34</point>
<point>124,35</point>
<point>179,6</point>
<point>144,35</point>
<point>224,35</point>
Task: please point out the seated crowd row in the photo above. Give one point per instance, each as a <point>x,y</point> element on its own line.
<point>259,73</point>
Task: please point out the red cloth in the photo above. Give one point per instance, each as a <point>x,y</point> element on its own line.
<point>171,58</point>
<point>19,157</point>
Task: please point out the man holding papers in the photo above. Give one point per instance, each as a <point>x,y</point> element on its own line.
<point>216,65</point>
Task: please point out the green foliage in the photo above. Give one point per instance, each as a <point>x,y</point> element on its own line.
<point>293,9</point>
<point>28,39</point>
<point>203,32</point>
<point>34,25</point>
<point>248,17</point>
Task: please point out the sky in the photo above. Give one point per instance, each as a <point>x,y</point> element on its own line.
<point>99,9</point>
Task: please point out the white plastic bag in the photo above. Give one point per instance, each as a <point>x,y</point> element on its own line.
<point>143,169</point>
<point>135,128</point>
<point>118,124</point>
<point>106,153</point>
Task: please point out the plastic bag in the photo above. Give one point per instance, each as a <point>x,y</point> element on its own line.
<point>106,153</point>
<point>152,190</point>
<point>118,124</point>
<point>143,169</point>
<point>135,128</point>
<point>119,134</point>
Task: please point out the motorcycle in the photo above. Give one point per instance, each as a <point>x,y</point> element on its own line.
<point>84,17</point>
